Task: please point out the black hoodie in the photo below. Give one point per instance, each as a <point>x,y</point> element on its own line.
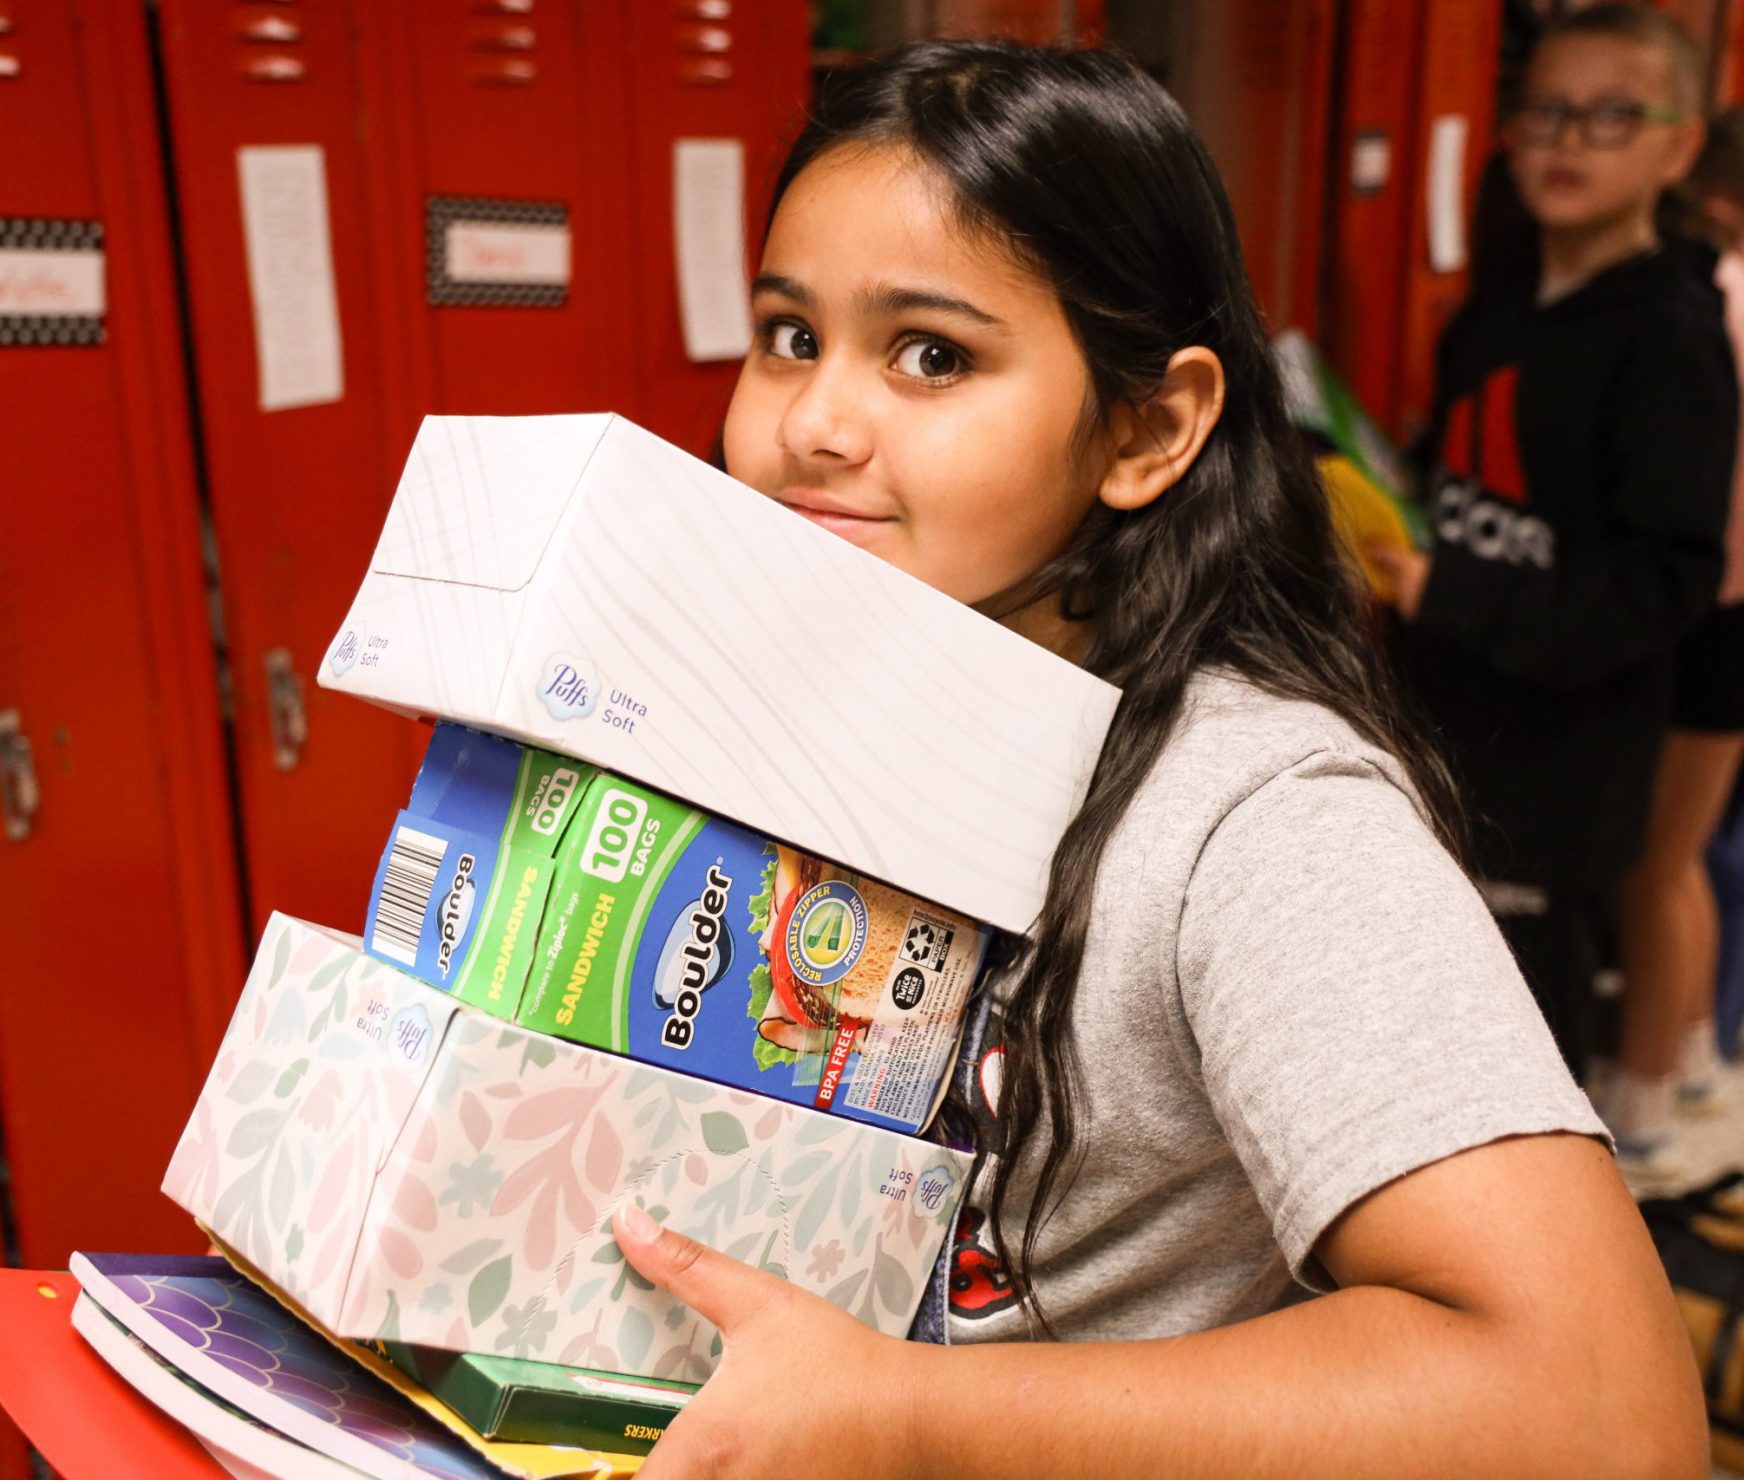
<point>1581,464</point>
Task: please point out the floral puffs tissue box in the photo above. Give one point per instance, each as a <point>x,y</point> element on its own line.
<point>411,1170</point>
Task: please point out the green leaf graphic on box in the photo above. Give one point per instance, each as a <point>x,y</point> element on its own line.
<point>851,1200</point>
<point>895,1288</point>
<point>281,958</point>
<point>390,1326</point>
<point>249,1084</point>
<point>608,1254</point>
<point>288,1080</point>
<point>464,1261</point>
<point>635,1336</point>
<point>323,978</point>
<point>766,1054</point>
<point>808,1166</point>
<point>762,903</point>
<point>294,1243</point>
<point>255,1132</point>
<point>842,1295</point>
<point>282,1187</point>
<point>538,1052</point>
<point>723,1134</point>
<point>816,1208</point>
<point>587,1291</point>
<point>488,1288</point>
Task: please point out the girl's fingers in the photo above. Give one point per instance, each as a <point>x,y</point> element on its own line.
<point>717,1288</point>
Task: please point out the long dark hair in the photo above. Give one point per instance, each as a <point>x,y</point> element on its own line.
<point>1091,173</point>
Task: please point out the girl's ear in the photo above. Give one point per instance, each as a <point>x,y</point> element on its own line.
<point>1155,442</point>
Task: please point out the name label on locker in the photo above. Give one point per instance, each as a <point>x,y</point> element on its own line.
<point>489,253</point>
<point>52,282</point>
<point>481,252</point>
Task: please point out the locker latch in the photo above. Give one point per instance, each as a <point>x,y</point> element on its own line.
<point>18,793</point>
<point>289,719</point>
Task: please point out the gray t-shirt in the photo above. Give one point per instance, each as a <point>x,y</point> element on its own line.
<point>1291,995</point>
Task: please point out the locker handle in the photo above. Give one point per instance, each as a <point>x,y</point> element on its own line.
<point>288,719</point>
<point>19,796</point>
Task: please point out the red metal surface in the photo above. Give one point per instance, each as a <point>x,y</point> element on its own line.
<point>465,103</point>
<point>119,909</point>
<point>1404,67</point>
<point>297,495</point>
<point>753,89</point>
<point>85,1418</point>
<point>1256,77</point>
<point>1367,226</point>
<point>1460,50</point>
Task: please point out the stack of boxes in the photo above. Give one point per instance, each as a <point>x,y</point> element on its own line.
<point>575,990</point>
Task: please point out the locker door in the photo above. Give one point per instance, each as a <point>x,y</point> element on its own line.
<point>502,177</point>
<point>1456,101</point>
<point>1255,76</point>
<point>301,456</point>
<point>1372,180</point>
<point>706,75</point>
<point>118,904</point>
<point>1416,126</point>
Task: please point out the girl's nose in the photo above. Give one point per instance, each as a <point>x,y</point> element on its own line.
<point>827,419</point>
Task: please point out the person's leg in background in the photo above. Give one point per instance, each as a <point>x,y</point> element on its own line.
<point>1669,942</point>
<point>1556,944</point>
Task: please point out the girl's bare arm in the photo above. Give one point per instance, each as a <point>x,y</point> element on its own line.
<point>1501,1314</point>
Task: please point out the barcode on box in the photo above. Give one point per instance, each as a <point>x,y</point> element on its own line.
<point>414,861</point>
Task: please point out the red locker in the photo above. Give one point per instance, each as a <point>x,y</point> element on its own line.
<point>1372,184</point>
<point>1456,122</point>
<point>714,74</point>
<point>289,325</point>
<point>1417,124</point>
<point>118,903</point>
<point>499,165</point>
<point>1255,75</point>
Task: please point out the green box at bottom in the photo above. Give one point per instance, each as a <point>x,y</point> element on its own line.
<point>538,1403</point>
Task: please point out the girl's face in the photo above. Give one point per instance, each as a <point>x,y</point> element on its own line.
<point>911,388</point>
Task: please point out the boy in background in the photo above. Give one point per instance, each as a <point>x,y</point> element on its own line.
<point>1583,438</point>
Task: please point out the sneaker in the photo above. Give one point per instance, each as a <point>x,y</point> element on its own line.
<point>1650,1166</point>
<point>1710,1095</point>
<point>1703,1099</point>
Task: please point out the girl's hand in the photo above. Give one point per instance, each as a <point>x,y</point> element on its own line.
<point>802,1390</point>
<point>1408,570</point>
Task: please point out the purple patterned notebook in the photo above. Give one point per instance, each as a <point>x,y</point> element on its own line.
<point>204,1318</point>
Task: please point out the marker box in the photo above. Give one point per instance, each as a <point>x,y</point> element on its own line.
<point>524,1402</point>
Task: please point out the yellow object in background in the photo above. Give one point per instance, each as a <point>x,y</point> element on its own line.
<point>1363,515</point>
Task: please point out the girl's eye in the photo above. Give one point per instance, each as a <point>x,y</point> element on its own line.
<point>792,342</point>
<point>930,359</point>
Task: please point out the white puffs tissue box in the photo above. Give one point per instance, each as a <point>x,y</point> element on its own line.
<point>407,1168</point>
<point>576,583</point>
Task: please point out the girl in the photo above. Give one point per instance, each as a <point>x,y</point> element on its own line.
<point>1264,1030</point>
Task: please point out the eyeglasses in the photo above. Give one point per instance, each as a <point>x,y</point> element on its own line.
<point>1607,125</point>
